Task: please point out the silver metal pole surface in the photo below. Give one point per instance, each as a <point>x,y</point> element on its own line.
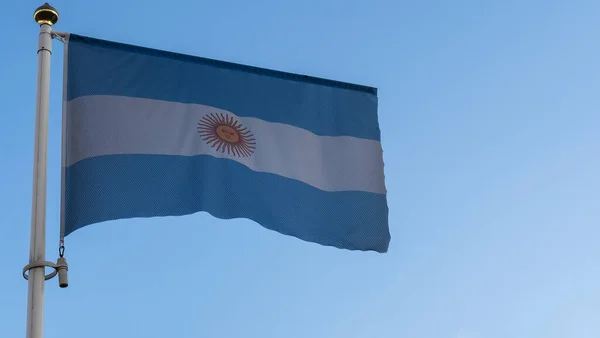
<point>45,16</point>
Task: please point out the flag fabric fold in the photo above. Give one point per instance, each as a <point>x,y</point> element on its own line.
<point>150,133</point>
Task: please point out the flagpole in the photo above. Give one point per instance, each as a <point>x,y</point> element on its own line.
<point>45,16</point>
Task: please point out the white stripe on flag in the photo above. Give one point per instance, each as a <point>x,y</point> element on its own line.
<point>109,125</point>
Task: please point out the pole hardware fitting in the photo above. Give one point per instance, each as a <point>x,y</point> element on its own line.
<point>60,268</point>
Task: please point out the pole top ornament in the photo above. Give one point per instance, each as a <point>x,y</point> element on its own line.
<point>46,14</point>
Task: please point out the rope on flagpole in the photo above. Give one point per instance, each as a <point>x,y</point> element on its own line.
<point>61,267</point>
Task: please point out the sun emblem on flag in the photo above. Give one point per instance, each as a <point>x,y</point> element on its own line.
<point>225,133</point>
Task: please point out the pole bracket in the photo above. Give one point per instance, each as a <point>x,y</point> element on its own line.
<point>61,267</point>
<point>60,36</point>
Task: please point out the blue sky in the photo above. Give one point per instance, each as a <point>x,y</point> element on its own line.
<point>490,124</point>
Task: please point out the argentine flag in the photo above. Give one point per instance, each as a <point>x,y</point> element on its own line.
<point>151,133</point>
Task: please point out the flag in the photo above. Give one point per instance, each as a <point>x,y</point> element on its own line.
<point>150,133</point>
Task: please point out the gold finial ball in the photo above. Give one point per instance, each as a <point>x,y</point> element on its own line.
<point>45,14</point>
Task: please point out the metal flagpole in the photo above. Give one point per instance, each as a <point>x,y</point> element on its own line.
<point>45,16</point>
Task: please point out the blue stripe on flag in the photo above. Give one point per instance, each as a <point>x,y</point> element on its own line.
<point>325,107</point>
<point>125,186</point>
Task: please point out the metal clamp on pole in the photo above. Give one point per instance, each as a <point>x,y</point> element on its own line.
<point>60,36</point>
<point>61,267</point>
